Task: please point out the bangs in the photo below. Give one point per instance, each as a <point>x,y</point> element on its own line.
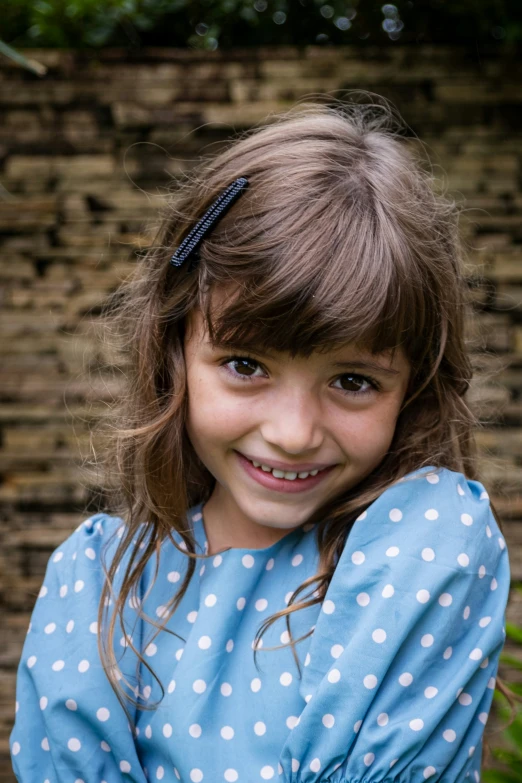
<point>358,284</point>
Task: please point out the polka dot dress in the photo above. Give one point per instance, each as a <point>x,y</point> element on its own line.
<point>397,676</point>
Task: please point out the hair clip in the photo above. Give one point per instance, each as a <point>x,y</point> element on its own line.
<point>191,243</point>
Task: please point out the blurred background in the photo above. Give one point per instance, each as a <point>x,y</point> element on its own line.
<point>104,104</point>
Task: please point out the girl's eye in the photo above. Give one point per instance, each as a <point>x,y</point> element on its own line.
<point>352,383</point>
<point>241,366</point>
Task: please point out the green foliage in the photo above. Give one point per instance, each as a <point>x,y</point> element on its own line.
<point>212,24</point>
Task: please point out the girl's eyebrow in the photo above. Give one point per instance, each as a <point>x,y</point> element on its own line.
<point>374,366</point>
<point>355,363</point>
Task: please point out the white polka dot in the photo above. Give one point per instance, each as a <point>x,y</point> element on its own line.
<point>286,678</point>
<point>267,773</point>
<point>191,617</point>
<point>63,591</point>
<point>445,599</point>
<point>395,515</point>
<point>432,478</point>
<point>229,645</point>
<point>199,686</point>
<point>358,558</point>
<point>357,725</point>
<point>230,775</point>
<point>74,744</point>
<point>466,612</point>
<point>392,551</point>
<point>227,732</point>
<point>15,748</point>
<point>226,689</point>
<point>44,744</point>
<point>387,591</point>
<point>417,724</point>
<point>292,721</point>
<point>428,772</point>
<point>328,607</point>
<point>58,556</point>
<point>431,513</point>
<point>241,603</point>
<point>83,666</point>
<point>103,714</point>
<point>463,560</point>
<point>248,561</point>
<point>491,683</point>
<point>151,649</point>
<point>466,519</point>
<point>204,642</point>
<point>71,704</point>
<point>167,730</point>
<point>261,604</point>
<point>90,553</point>
<point>43,592</point>
<point>379,635</point>
<point>297,560</point>
<point>465,699</point>
<point>315,765</point>
<point>78,585</point>
<point>430,692</point>
<point>501,543</point>
<point>406,679</point>
<point>43,703</point>
<point>334,675</point>
<point>195,730</point>
<point>307,659</point>
<point>69,626</point>
<point>57,666</point>
<point>270,564</point>
<point>174,576</point>
<point>255,685</point>
<point>362,516</point>
<point>370,681</point>
<point>427,640</point>
<point>196,775</point>
<point>160,772</point>
<point>447,653</point>
<point>476,654</point>
<point>460,490</point>
<point>382,719</point>
<point>328,720</point>
<point>363,599</point>
<point>482,571</point>
<point>494,584</point>
<point>428,554</point>
<point>211,599</point>
<point>32,660</point>
<point>423,596</point>
<point>488,531</point>
<point>50,628</point>
<point>449,735</point>
<point>483,717</point>
<point>336,650</point>
<point>368,759</point>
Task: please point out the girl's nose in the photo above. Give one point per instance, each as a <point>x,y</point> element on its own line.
<point>293,423</point>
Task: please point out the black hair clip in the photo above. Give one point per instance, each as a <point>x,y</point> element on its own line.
<point>191,243</point>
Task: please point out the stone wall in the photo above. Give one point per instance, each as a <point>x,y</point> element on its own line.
<point>79,195</point>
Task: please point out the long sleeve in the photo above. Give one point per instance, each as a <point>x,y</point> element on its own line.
<point>69,725</point>
<point>401,669</point>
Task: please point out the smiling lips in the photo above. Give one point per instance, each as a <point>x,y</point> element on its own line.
<point>283,480</point>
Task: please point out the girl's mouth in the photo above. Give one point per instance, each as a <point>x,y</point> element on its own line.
<point>282,481</point>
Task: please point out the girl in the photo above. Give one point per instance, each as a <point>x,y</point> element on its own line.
<point>298,512</point>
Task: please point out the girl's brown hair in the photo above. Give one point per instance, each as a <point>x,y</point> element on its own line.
<point>341,236</point>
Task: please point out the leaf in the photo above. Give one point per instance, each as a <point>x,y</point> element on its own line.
<point>496,776</point>
<point>514,632</point>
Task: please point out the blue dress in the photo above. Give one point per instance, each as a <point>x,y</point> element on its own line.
<point>397,676</point>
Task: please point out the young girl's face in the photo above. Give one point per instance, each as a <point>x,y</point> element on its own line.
<point>326,421</point>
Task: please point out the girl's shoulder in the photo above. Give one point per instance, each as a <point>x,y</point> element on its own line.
<point>433,515</point>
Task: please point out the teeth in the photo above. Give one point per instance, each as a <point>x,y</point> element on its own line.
<point>288,475</point>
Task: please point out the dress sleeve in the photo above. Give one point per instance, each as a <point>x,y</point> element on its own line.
<point>399,677</point>
<point>69,725</point>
